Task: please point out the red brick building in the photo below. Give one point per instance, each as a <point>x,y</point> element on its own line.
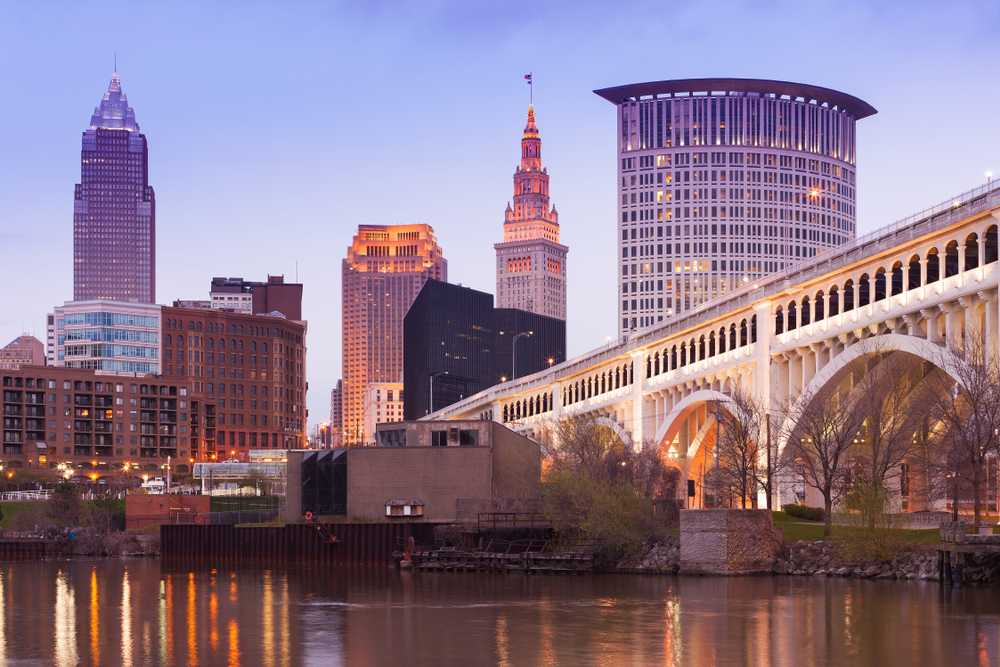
<point>247,375</point>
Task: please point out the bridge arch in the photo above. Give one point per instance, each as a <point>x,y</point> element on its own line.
<point>918,347</point>
<point>680,412</point>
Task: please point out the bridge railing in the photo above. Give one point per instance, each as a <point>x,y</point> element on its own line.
<point>940,215</point>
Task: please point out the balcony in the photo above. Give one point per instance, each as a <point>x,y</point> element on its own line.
<point>84,399</point>
<point>12,449</point>
<point>81,451</point>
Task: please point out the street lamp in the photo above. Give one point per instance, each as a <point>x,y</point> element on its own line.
<point>431,382</point>
<point>513,361</point>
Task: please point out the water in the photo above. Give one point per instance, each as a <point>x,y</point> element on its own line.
<point>137,612</point>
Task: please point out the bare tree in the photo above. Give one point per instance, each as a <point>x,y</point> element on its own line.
<point>737,451</point>
<point>825,425</point>
<point>891,399</point>
<point>748,442</point>
<point>965,413</point>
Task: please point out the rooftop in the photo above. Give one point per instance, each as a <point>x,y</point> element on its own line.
<point>761,87</point>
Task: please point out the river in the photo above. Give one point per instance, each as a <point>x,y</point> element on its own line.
<point>139,612</point>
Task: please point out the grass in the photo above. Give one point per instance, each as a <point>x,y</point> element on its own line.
<point>10,510</point>
<point>796,529</point>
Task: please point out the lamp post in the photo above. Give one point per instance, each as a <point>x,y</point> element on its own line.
<point>513,351</point>
<point>430,381</point>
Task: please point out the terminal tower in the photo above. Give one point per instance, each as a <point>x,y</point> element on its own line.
<point>531,263</point>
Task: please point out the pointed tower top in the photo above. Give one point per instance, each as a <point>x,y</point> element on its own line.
<point>531,127</point>
<point>114,112</point>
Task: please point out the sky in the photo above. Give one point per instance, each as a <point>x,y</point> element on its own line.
<point>276,128</point>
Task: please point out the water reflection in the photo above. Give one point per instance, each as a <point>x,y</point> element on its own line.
<point>65,625</point>
<point>351,616</point>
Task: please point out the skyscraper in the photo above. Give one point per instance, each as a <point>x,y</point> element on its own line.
<point>383,272</point>
<point>722,181</point>
<point>531,263</point>
<point>114,209</point>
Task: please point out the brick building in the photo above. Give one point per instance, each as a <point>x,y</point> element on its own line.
<point>247,374</point>
<point>93,422</point>
<point>24,350</point>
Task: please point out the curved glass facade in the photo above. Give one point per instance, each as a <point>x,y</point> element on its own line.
<point>719,187</point>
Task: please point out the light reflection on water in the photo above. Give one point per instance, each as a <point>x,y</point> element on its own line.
<point>136,612</point>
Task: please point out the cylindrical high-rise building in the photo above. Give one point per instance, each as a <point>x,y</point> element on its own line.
<point>722,181</point>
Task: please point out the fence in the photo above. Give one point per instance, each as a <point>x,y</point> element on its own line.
<point>43,494</point>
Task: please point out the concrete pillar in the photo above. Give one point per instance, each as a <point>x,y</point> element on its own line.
<point>556,388</point>
<point>639,406</point>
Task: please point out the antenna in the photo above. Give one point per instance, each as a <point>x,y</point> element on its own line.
<point>116,62</point>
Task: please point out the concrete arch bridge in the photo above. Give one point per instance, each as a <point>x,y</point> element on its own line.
<point>917,285</point>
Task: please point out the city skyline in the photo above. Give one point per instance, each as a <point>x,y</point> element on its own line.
<point>229,211</point>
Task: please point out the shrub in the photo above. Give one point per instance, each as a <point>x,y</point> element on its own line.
<point>868,525</point>
<point>803,512</point>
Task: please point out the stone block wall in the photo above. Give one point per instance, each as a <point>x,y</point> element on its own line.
<point>728,541</point>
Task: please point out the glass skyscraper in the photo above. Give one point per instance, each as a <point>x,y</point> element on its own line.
<point>114,212</point>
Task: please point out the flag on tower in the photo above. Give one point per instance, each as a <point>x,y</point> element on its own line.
<point>528,78</point>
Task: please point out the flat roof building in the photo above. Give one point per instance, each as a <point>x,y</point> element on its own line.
<point>24,350</point>
<point>456,345</point>
<point>107,336</point>
<point>418,471</point>
<point>723,181</point>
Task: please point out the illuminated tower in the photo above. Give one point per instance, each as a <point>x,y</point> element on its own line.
<point>383,272</point>
<point>531,263</point>
<point>114,210</point>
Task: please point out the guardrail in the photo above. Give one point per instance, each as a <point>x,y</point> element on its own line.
<point>43,494</point>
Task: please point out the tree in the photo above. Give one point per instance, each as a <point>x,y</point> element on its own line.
<point>824,427</point>
<point>890,394</point>
<point>595,487</point>
<point>64,505</point>
<point>964,412</point>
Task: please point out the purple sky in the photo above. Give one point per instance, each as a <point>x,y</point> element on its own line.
<point>274,129</point>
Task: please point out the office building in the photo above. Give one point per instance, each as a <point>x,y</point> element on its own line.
<point>337,413</point>
<point>114,208</point>
<point>531,263</point>
<point>723,181</point>
<point>457,345</point>
<point>448,340</point>
<point>543,344</point>
<point>24,350</point>
<point>383,272</point>
<point>107,336</point>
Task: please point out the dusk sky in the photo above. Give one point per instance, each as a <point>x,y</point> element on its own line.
<point>275,129</point>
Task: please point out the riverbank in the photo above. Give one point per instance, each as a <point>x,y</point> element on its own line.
<point>819,558</point>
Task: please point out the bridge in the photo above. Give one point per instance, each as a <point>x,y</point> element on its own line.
<point>917,284</point>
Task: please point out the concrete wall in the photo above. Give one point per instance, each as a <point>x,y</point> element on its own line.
<point>728,541</point>
<point>436,475</point>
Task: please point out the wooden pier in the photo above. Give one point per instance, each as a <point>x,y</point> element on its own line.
<point>954,540</point>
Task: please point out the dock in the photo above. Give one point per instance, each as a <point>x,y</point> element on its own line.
<point>955,540</point>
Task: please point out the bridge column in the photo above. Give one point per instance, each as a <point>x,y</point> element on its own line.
<point>555,405</point>
<point>638,403</point>
<point>992,314</point>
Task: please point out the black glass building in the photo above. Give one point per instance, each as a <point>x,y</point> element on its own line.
<point>455,344</point>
